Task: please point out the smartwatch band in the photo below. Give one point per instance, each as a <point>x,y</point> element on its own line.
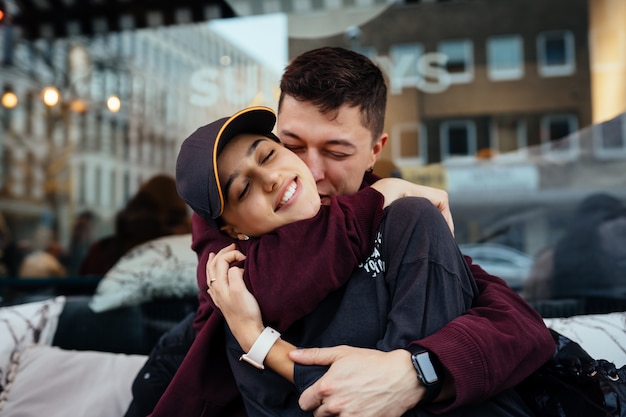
<point>260,348</point>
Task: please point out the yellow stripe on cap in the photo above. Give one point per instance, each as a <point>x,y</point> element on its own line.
<point>216,145</point>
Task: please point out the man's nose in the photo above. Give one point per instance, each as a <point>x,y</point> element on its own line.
<point>315,162</point>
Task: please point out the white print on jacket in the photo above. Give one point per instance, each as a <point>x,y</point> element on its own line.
<point>374,265</point>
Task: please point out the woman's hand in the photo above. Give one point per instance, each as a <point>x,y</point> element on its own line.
<point>241,310</point>
<point>229,293</point>
<point>394,188</point>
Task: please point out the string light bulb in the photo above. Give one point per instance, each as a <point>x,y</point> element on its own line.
<point>51,96</point>
<point>114,104</point>
<point>9,100</point>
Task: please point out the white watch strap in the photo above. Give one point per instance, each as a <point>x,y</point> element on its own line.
<point>260,348</point>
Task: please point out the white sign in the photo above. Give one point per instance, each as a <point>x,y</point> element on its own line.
<point>235,85</point>
<point>239,85</point>
<point>432,75</point>
<point>492,178</point>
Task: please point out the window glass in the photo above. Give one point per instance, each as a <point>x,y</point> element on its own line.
<point>559,136</point>
<point>609,138</point>
<point>458,139</point>
<point>505,57</point>
<point>409,144</point>
<point>405,60</point>
<point>517,111</point>
<point>460,59</point>
<point>556,53</point>
<point>509,136</point>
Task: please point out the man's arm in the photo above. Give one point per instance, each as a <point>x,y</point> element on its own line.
<point>497,344</point>
<point>494,346</point>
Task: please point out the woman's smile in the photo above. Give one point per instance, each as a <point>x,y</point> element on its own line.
<point>291,190</point>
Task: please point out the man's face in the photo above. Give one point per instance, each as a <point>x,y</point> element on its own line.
<point>336,147</point>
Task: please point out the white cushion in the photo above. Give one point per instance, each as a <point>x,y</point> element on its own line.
<point>161,268</point>
<point>52,382</point>
<point>603,336</point>
<point>20,326</point>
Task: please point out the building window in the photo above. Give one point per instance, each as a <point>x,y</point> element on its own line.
<point>82,184</point>
<point>556,53</point>
<point>458,139</point>
<point>112,189</point>
<point>126,186</point>
<point>559,138</point>
<point>98,186</point>
<point>408,144</point>
<point>505,57</point>
<point>460,63</point>
<point>508,136</point>
<point>609,138</point>
<point>404,71</point>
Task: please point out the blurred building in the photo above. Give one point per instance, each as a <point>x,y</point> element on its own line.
<point>516,108</point>
<point>88,119</point>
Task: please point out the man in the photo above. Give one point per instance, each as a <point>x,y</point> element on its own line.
<point>331,113</point>
<point>324,117</point>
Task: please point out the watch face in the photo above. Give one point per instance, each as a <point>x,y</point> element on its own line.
<point>426,366</point>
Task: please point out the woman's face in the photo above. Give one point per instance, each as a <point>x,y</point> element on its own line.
<point>265,186</point>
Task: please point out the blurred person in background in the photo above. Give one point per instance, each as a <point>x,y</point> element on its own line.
<point>156,210</point>
<point>45,260</point>
<point>10,255</point>
<point>590,258</point>
<point>81,239</point>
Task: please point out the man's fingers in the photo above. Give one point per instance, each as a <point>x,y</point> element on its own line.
<point>309,401</point>
<point>450,221</point>
<point>315,356</point>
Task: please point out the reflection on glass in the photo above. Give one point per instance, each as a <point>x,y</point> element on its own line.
<point>518,121</point>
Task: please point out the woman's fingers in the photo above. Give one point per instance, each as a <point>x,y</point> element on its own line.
<point>219,263</point>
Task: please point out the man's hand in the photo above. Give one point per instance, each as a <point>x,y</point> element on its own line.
<point>360,382</point>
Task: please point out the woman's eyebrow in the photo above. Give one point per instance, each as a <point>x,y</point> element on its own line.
<point>255,145</point>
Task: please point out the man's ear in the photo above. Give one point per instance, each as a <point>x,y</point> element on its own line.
<point>378,146</point>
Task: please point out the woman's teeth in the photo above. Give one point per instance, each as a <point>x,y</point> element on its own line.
<point>288,194</point>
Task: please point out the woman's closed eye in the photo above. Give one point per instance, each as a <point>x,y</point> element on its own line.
<point>244,191</point>
<point>246,188</point>
<point>267,157</point>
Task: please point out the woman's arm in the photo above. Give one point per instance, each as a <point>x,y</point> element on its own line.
<point>350,223</point>
<point>394,188</point>
<point>241,310</point>
<point>352,230</point>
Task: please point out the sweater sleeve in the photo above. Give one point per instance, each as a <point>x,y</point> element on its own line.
<point>295,267</point>
<point>494,346</point>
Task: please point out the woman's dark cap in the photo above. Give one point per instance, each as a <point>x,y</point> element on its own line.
<point>197,179</point>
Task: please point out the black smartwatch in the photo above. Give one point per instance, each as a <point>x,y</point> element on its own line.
<point>429,372</point>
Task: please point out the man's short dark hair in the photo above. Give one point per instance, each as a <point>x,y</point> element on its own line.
<point>330,77</point>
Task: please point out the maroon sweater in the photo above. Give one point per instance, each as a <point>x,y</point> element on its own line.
<point>498,343</point>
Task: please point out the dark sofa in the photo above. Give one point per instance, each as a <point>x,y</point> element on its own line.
<point>133,329</point>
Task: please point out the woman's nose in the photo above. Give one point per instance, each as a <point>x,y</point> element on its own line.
<point>269,179</point>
